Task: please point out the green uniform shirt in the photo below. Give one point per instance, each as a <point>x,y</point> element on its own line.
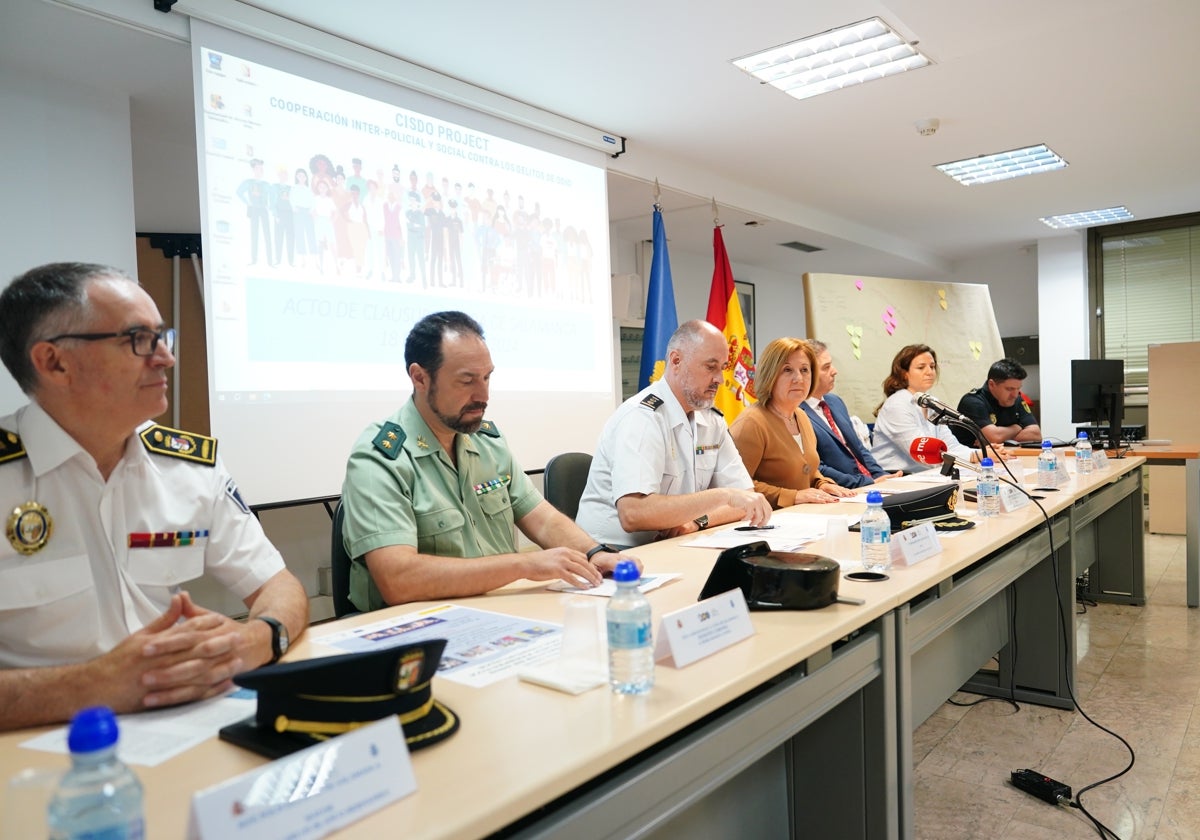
<point>402,489</point>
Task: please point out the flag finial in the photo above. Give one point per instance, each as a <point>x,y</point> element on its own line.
<point>716,217</point>
<point>657,195</point>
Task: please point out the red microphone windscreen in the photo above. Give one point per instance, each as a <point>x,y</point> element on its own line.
<point>927,450</point>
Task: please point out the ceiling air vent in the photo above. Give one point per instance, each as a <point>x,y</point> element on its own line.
<point>802,246</point>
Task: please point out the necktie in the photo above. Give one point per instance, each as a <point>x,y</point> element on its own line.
<point>837,433</point>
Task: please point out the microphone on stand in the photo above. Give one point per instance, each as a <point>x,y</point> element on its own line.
<point>934,452</point>
<point>933,404</point>
<point>927,450</point>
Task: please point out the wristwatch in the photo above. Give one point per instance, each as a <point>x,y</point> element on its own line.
<point>701,521</point>
<point>279,637</point>
<point>599,547</point>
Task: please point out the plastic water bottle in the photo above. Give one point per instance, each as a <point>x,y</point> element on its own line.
<point>876,530</point>
<point>630,634</point>
<point>1083,454</point>
<point>987,489</point>
<point>99,798</point>
<point>1047,476</point>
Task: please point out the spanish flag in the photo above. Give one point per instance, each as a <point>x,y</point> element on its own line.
<point>725,313</point>
<point>661,319</point>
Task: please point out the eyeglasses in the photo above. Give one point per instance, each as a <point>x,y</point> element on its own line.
<point>142,341</point>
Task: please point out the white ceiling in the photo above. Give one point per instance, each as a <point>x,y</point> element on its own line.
<point>1108,84</point>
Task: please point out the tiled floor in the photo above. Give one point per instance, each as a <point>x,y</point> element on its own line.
<point>1138,675</point>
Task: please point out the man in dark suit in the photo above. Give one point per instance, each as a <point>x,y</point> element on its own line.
<point>843,456</point>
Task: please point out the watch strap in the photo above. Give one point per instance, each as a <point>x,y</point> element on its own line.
<point>599,547</point>
<point>276,631</point>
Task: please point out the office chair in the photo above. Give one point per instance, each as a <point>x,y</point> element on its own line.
<point>340,566</point>
<point>564,479</point>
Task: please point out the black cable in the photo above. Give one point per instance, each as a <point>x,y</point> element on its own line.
<point>1103,830</point>
<point>1100,827</point>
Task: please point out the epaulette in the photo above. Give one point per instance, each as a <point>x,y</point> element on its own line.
<point>652,402</point>
<point>487,427</point>
<point>175,443</point>
<point>389,440</point>
<point>718,411</point>
<point>11,448</point>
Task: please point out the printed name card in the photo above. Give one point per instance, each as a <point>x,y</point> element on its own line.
<point>1099,460</point>
<point>915,544</point>
<point>310,793</point>
<point>1011,498</point>
<point>694,632</point>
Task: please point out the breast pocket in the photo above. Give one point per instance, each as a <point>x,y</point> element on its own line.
<point>706,465</point>
<point>167,566</point>
<point>497,503</point>
<point>672,480</point>
<point>39,581</point>
<point>441,532</point>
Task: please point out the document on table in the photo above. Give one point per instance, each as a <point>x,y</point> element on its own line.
<point>150,738</point>
<point>788,531</point>
<point>608,587</point>
<point>482,647</point>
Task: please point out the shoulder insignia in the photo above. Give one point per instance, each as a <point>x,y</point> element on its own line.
<point>11,448</point>
<point>176,443</point>
<point>652,402</point>
<point>719,412</point>
<point>487,427</point>
<point>389,440</point>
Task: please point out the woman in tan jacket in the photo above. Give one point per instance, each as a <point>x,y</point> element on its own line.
<point>775,438</point>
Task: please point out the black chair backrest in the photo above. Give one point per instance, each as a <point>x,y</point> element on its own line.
<point>564,480</point>
<point>340,567</point>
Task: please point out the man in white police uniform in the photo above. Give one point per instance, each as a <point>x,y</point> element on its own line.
<point>108,516</point>
<point>665,464</point>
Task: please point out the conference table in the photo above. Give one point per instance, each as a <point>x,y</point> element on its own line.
<point>805,726</point>
<point>1187,457</point>
<point>1174,455</point>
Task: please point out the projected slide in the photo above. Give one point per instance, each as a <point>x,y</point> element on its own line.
<point>335,221</point>
<point>336,212</point>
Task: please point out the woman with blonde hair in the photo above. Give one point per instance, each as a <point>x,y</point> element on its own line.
<point>775,438</point>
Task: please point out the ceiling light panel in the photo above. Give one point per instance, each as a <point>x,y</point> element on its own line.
<point>1087,218</point>
<point>1031,160</point>
<point>850,55</point>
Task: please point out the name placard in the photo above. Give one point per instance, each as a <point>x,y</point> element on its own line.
<point>704,628</point>
<point>310,793</point>
<point>1011,498</point>
<point>915,544</point>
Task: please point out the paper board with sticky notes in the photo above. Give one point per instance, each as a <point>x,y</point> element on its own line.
<point>866,320</point>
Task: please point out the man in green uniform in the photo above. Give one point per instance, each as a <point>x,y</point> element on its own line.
<point>431,494</point>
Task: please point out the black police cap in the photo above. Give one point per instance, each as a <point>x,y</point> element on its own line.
<point>306,702</point>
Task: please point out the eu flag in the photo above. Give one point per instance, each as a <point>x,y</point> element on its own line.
<point>661,320</point>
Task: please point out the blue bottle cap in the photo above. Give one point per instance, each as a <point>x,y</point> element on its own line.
<point>874,497</point>
<point>92,729</point>
<point>1082,435</point>
<point>1047,445</point>
<point>986,462</point>
<point>626,571</point>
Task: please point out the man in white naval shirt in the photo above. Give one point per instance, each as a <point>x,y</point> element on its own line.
<point>109,516</point>
<point>665,464</point>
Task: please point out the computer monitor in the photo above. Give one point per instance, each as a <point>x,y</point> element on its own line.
<point>1098,395</point>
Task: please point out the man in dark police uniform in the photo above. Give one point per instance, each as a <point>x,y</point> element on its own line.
<point>999,408</point>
